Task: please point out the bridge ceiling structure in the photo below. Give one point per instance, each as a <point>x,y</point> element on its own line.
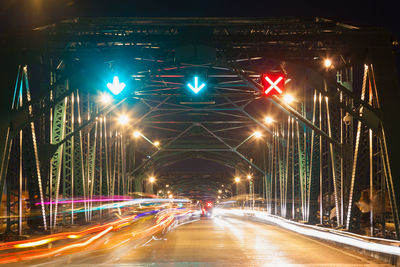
<point>313,161</point>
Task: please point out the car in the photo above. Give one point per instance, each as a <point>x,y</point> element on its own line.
<point>206,209</point>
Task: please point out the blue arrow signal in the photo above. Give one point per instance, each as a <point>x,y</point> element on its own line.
<point>196,87</point>
<point>116,87</point>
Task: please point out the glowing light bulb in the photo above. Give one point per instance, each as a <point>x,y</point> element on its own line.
<point>327,63</point>
<point>288,98</point>
<point>136,134</point>
<point>268,120</point>
<point>105,98</point>
<point>257,134</point>
<point>123,119</point>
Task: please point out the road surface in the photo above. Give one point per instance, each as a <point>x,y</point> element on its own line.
<point>219,242</point>
<point>233,242</point>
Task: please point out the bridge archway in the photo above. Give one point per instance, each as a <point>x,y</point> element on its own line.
<point>319,143</point>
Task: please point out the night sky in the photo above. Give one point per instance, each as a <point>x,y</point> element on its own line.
<point>20,14</point>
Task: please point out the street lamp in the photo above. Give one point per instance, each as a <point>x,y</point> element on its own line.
<point>268,120</point>
<point>237,181</point>
<point>257,134</point>
<point>123,119</point>
<point>327,63</point>
<point>105,98</point>
<point>251,188</point>
<point>288,98</point>
<point>156,143</point>
<point>136,134</point>
<point>152,179</point>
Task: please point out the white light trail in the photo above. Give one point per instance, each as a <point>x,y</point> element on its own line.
<point>318,232</point>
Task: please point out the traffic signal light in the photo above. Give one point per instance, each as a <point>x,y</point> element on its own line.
<point>273,83</point>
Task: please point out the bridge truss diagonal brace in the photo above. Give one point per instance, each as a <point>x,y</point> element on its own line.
<point>145,163</point>
<point>230,148</point>
<point>289,110</point>
<point>233,149</point>
<point>387,86</point>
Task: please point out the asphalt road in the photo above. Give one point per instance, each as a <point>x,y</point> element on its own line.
<point>233,242</point>
<point>218,242</point>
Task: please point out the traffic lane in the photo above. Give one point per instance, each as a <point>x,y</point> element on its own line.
<point>230,242</point>
<point>102,251</point>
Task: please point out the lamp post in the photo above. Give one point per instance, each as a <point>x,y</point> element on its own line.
<point>237,181</point>
<point>150,182</point>
<point>251,190</point>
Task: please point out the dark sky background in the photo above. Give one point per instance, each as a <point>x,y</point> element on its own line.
<point>16,15</point>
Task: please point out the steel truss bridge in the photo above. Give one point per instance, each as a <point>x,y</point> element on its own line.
<point>336,144</point>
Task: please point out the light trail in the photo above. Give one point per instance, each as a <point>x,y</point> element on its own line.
<point>164,218</point>
<point>317,232</point>
<point>131,201</point>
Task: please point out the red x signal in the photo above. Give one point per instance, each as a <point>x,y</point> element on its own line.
<point>273,83</point>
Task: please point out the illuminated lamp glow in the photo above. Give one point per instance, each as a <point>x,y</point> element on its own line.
<point>156,143</point>
<point>105,98</point>
<point>123,119</point>
<point>136,134</point>
<point>268,120</point>
<point>257,134</point>
<point>237,179</point>
<point>327,63</point>
<point>152,179</point>
<point>288,98</point>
